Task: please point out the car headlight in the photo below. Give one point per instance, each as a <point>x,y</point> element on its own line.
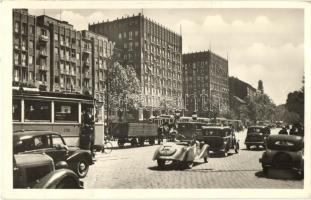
<point>260,134</point>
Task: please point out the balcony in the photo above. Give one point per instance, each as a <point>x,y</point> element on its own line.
<point>16,46</point>
<point>43,53</point>
<point>86,63</point>
<point>86,51</point>
<point>43,67</point>
<point>44,38</point>
<point>87,75</point>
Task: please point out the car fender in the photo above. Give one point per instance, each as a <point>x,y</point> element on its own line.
<point>190,155</point>
<point>156,153</point>
<point>51,180</point>
<point>80,154</point>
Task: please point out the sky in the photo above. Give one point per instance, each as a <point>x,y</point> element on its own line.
<point>260,44</point>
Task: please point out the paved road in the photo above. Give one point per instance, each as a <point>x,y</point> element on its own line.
<point>133,168</point>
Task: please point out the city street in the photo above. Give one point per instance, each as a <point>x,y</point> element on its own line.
<point>134,168</point>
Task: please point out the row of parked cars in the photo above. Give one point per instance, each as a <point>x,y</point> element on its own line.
<point>43,160</point>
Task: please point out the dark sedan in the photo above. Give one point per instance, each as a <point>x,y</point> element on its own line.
<point>52,144</point>
<point>256,136</point>
<point>284,152</point>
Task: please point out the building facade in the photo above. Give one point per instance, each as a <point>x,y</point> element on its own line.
<point>51,55</point>
<point>205,84</point>
<point>240,92</point>
<point>154,52</point>
<point>24,49</point>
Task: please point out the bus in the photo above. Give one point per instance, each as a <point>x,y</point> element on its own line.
<point>59,112</point>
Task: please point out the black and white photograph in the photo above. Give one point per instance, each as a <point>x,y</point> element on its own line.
<point>173,97</point>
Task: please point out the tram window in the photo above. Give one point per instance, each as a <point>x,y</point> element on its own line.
<point>65,111</point>
<point>37,110</point>
<point>16,110</point>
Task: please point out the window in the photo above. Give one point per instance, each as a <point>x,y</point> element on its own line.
<point>31,44</point>
<point>56,50</point>
<point>30,74</point>
<point>24,28</point>
<point>130,35</point>
<point>42,142</point>
<point>120,36</point>
<point>31,29</point>
<point>16,58</point>
<point>124,34</point>
<point>57,140</point>
<point>30,60</point>
<point>43,32</point>
<point>136,44</point>
<point>16,27</point>
<point>78,56</point>
<point>66,111</point>
<point>131,46</point>
<point>16,75</point>
<point>125,45</point>
<point>136,33</point>
<point>56,36</point>
<point>37,110</point>
<point>16,110</point>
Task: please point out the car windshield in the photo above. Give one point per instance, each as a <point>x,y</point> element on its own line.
<point>23,145</point>
<point>255,130</point>
<point>284,145</point>
<point>216,132</point>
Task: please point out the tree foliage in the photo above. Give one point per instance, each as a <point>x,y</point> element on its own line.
<point>123,88</point>
<point>295,103</point>
<point>259,108</point>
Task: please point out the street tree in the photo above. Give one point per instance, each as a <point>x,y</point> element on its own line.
<point>124,91</point>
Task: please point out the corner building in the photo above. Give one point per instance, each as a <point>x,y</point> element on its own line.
<point>154,51</point>
<point>205,84</point>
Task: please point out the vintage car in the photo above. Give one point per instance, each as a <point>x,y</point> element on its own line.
<point>297,130</point>
<point>256,136</point>
<point>182,149</point>
<point>52,144</point>
<point>219,138</point>
<point>183,152</point>
<point>38,171</point>
<point>283,152</point>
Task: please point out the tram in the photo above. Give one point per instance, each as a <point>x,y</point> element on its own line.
<point>59,112</point>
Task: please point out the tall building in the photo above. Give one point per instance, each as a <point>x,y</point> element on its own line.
<point>51,55</point>
<point>240,92</point>
<point>205,83</point>
<point>24,49</point>
<point>154,51</point>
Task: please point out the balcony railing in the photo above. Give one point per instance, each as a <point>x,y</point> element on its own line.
<point>44,38</point>
<point>43,53</point>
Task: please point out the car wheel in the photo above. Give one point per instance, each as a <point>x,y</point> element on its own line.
<point>189,164</point>
<point>141,141</point>
<point>248,147</point>
<point>161,163</point>
<point>120,143</point>
<point>265,170</point>
<point>133,142</point>
<point>225,153</point>
<point>205,159</point>
<point>151,141</point>
<point>81,168</point>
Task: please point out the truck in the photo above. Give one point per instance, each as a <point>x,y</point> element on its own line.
<point>135,133</point>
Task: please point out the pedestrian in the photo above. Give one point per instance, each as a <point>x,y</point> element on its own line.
<point>87,131</point>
